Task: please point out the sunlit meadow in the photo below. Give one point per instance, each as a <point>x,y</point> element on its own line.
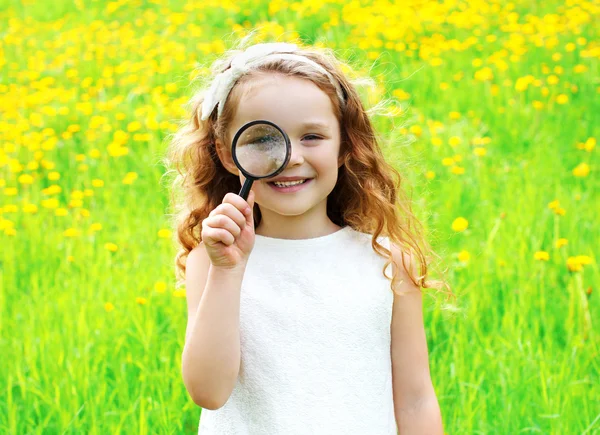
<point>490,110</point>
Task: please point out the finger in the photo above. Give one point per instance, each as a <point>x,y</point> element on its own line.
<point>212,236</point>
<point>234,214</point>
<point>236,200</point>
<point>224,222</point>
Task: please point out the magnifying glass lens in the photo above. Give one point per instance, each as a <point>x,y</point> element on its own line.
<point>261,150</point>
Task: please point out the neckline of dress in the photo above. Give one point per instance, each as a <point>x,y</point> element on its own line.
<point>298,243</point>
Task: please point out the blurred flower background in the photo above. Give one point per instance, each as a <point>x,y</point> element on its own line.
<point>490,109</point>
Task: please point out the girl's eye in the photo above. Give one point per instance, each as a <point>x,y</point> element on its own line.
<point>311,137</point>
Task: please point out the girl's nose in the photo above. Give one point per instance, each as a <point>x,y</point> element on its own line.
<point>297,158</point>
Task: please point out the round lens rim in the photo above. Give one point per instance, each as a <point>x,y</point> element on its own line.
<point>245,127</point>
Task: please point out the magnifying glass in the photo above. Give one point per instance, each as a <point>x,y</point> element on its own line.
<point>260,149</point>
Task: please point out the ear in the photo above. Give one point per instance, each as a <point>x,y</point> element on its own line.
<point>225,157</point>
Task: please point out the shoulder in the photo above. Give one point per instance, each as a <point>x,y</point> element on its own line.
<point>405,265</point>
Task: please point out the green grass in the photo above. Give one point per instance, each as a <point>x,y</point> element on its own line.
<point>518,351</point>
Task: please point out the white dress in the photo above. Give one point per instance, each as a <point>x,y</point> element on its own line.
<point>315,317</point>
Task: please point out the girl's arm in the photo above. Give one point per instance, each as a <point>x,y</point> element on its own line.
<point>210,361</point>
<point>415,403</point>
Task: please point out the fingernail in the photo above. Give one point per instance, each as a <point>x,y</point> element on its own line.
<point>247,210</point>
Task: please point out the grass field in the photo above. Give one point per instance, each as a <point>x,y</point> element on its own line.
<point>493,117</point>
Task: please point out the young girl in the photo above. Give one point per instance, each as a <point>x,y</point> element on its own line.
<point>293,324</point>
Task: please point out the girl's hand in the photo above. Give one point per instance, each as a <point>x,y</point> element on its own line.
<point>228,232</point>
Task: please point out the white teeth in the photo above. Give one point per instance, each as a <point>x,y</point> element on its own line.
<point>288,183</point>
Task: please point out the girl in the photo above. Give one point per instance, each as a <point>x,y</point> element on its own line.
<point>293,325</point>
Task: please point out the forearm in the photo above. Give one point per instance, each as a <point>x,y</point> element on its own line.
<point>422,418</point>
<point>211,356</point>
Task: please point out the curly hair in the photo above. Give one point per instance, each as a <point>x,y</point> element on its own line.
<point>368,195</point>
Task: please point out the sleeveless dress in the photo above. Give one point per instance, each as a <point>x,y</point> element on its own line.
<point>315,317</point>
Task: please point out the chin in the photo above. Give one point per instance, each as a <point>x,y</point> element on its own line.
<point>293,210</point>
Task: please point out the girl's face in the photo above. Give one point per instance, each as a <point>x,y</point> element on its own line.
<point>306,114</point>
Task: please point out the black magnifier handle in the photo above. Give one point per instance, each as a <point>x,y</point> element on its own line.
<point>246,188</point>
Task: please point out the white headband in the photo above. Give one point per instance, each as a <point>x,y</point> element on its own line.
<point>243,63</point>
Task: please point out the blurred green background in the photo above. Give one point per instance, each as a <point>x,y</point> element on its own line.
<point>489,109</point>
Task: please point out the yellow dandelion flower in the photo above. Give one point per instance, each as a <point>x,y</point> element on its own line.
<point>562,99</point>
<point>479,151</point>
<point>141,301</point>
<point>430,175</point>
<point>30,208</point>
<point>401,94</point>
<point>454,141</point>
<point>53,176</point>
<point>560,211</point>
<point>160,286</point>
<point>590,144</point>
<point>464,256</point>
<point>61,212</point>
<point>561,242</point>
<point>484,74</point>
<point>25,179</point>
<point>552,79</point>
<point>53,189</point>
<point>537,105</point>
<point>581,170</point>
<point>584,259</point>
<point>50,203</point>
<point>111,247</point>
<point>459,170</point>
<point>416,130</point>
<point>10,191</point>
<point>436,141</point>
<point>541,255</point>
<point>97,183</point>
<point>522,83</point>
<point>96,226</point>
<point>164,233</point>
<point>179,293</point>
<point>71,232</point>
<point>447,161</point>
<point>130,177</point>
<point>553,204</point>
<point>70,258</point>
<point>134,126</point>
<point>109,307</point>
<point>454,115</point>
<point>460,224</point>
<point>573,264</point>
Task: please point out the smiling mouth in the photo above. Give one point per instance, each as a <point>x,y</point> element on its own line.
<point>289,188</point>
<point>289,183</point>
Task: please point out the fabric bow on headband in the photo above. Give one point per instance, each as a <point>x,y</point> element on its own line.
<point>242,63</point>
